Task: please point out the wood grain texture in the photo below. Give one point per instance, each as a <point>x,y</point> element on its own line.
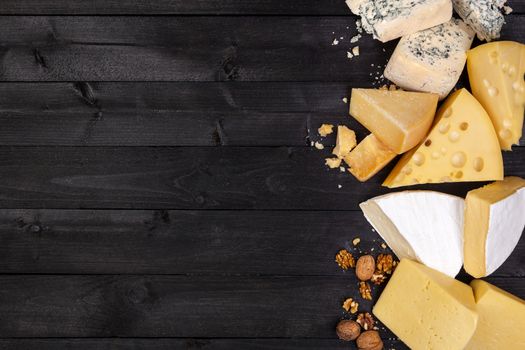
<point>193,49</point>
<point>179,306</point>
<point>163,7</point>
<point>190,178</point>
<point>190,242</point>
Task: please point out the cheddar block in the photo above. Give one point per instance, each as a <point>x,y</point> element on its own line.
<point>431,60</point>
<point>369,157</point>
<point>400,119</point>
<point>494,222</point>
<point>427,309</point>
<point>426,226</point>
<point>461,146</point>
<point>501,324</point>
<point>496,73</point>
<point>345,141</point>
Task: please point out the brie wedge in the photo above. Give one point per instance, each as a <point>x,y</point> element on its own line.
<point>425,226</point>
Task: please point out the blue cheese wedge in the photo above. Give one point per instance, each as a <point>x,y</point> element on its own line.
<point>484,16</point>
<point>431,60</point>
<point>392,19</point>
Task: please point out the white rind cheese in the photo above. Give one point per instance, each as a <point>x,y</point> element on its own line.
<point>391,19</point>
<point>484,16</point>
<point>425,226</point>
<point>431,60</point>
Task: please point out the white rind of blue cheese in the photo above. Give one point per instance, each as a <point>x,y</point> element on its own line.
<point>484,16</point>
<point>431,60</point>
<point>391,19</point>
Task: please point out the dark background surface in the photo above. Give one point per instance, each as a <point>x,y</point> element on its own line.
<point>158,190</point>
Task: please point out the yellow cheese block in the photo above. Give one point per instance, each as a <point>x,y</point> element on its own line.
<point>345,141</point>
<point>496,76</point>
<point>369,156</point>
<point>494,221</point>
<point>427,309</point>
<point>461,146</point>
<point>501,324</point>
<point>400,119</point>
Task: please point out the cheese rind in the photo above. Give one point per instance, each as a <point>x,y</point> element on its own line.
<point>496,73</point>
<point>392,19</point>
<point>484,16</point>
<point>426,226</point>
<point>427,309</point>
<point>400,119</point>
<point>494,222</point>
<point>431,60</point>
<point>461,146</point>
<point>501,321</point>
<point>368,158</point>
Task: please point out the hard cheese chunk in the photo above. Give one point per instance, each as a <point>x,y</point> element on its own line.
<point>392,19</point>
<point>501,324</point>
<point>494,222</point>
<point>369,156</point>
<point>426,226</point>
<point>461,146</point>
<point>427,309</point>
<point>496,76</point>
<point>400,119</point>
<point>431,60</point>
<point>484,16</point>
<point>345,141</point>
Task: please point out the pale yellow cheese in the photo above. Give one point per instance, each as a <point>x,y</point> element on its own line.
<point>325,130</point>
<point>496,77</point>
<point>494,221</point>
<point>333,163</point>
<point>400,119</point>
<point>427,309</point>
<point>345,141</point>
<point>368,158</point>
<point>501,324</point>
<point>461,146</point>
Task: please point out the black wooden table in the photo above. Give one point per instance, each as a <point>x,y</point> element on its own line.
<point>158,189</point>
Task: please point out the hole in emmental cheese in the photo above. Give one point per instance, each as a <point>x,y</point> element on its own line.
<point>444,127</point>
<point>447,113</point>
<point>478,164</point>
<point>428,143</point>
<point>459,175</point>
<point>458,159</point>
<point>419,159</point>
<point>436,155</point>
<point>505,134</point>
<point>453,136</point>
<point>463,126</point>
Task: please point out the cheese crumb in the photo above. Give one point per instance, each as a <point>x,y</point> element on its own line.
<point>345,100</point>
<point>325,129</point>
<point>333,163</point>
<point>355,50</point>
<point>507,10</point>
<point>355,38</point>
<point>356,241</point>
<point>335,42</point>
<point>342,169</point>
<point>349,54</point>
<point>318,145</point>
<point>339,186</point>
<point>383,245</point>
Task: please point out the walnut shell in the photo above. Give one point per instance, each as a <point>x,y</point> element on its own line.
<point>348,330</point>
<point>365,267</point>
<point>369,340</point>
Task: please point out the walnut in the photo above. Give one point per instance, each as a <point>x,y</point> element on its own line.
<point>369,340</point>
<point>364,289</point>
<point>348,330</point>
<point>366,321</point>
<point>378,278</point>
<point>344,259</point>
<point>364,269</point>
<point>385,263</point>
<point>350,305</point>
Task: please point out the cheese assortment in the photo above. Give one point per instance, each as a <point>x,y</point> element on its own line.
<point>494,222</point>
<point>426,226</point>
<point>427,309</point>
<point>392,19</point>
<point>431,60</point>
<point>452,151</point>
<point>400,119</point>
<point>496,73</point>
<point>484,16</point>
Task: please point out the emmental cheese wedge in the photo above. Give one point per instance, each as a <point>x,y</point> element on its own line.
<point>501,324</point>
<point>400,119</point>
<point>496,73</point>
<point>494,222</point>
<point>368,158</point>
<point>461,146</point>
<point>427,309</point>
<point>431,60</point>
<point>426,226</point>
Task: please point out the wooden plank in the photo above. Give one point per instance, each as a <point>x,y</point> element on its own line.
<point>193,49</point>
<point>189,242</point>
<point>179,306</point>
<point>163,7</point>
<point>189,178</point>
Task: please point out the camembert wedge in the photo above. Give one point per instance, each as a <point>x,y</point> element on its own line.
<point>496,73</point>
<point>461,146</point>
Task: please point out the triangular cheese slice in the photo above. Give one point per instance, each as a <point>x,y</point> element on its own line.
<point>426,226</point>
<point>400,119</point>
<point>461,146</point>
<point>496,76</point>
